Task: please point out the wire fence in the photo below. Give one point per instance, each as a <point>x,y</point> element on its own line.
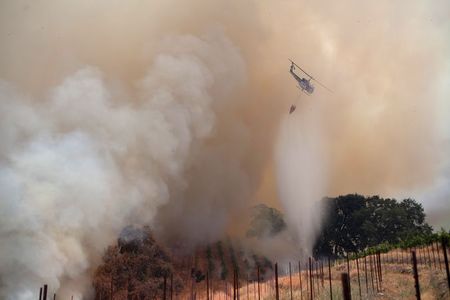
<point>357,276</point>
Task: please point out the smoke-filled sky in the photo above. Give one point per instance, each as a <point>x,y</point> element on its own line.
<point>175,114</point>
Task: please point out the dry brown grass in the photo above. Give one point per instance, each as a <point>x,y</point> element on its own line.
<point>397,282</point>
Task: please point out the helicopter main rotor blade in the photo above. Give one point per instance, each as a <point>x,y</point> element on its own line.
<point>301,69</point>
<point>322,85</point>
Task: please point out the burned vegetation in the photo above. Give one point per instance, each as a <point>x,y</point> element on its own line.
<point>137,267</point>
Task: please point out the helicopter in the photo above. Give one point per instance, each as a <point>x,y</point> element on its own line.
<point>304,84</point>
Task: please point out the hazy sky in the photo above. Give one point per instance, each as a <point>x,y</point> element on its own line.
<point>175,114</point>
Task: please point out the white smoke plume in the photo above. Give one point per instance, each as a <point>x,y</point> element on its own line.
<point>79,165</point>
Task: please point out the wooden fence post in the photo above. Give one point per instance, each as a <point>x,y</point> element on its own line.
<point>346,286</point>
<point>171,286</point>
<point>277,294</point>
<point>246,280</point>
<point>290,279</point>
<point>373,269</point>
<point>259,291</point>
<point>416,274</point>
<point>44,295</point>
<point>207,285</point>
<point>444,248</point>
<point>111,289</point>
<point>164,287</point>
<point>427,247</point>
<point>300,279</point>
<point>322,275</point>
<point>359,281</point>
<point>434,256</point>
<point>329,275</point>
<point>234,285</point>
<point>381,270</point>
<point>310,279</point>
<point>348,266</point>
<point>316,272</point>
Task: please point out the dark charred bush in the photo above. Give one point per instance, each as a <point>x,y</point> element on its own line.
<point>135,267</point>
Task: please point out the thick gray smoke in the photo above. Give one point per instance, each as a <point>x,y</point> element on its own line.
<point>80,164</point>
<point>175,114</point>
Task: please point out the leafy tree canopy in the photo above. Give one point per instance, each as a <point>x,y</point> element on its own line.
<point>266,221</point>
<point>355,222</point>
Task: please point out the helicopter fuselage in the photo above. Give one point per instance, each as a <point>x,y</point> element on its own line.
<point>303,83</point>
